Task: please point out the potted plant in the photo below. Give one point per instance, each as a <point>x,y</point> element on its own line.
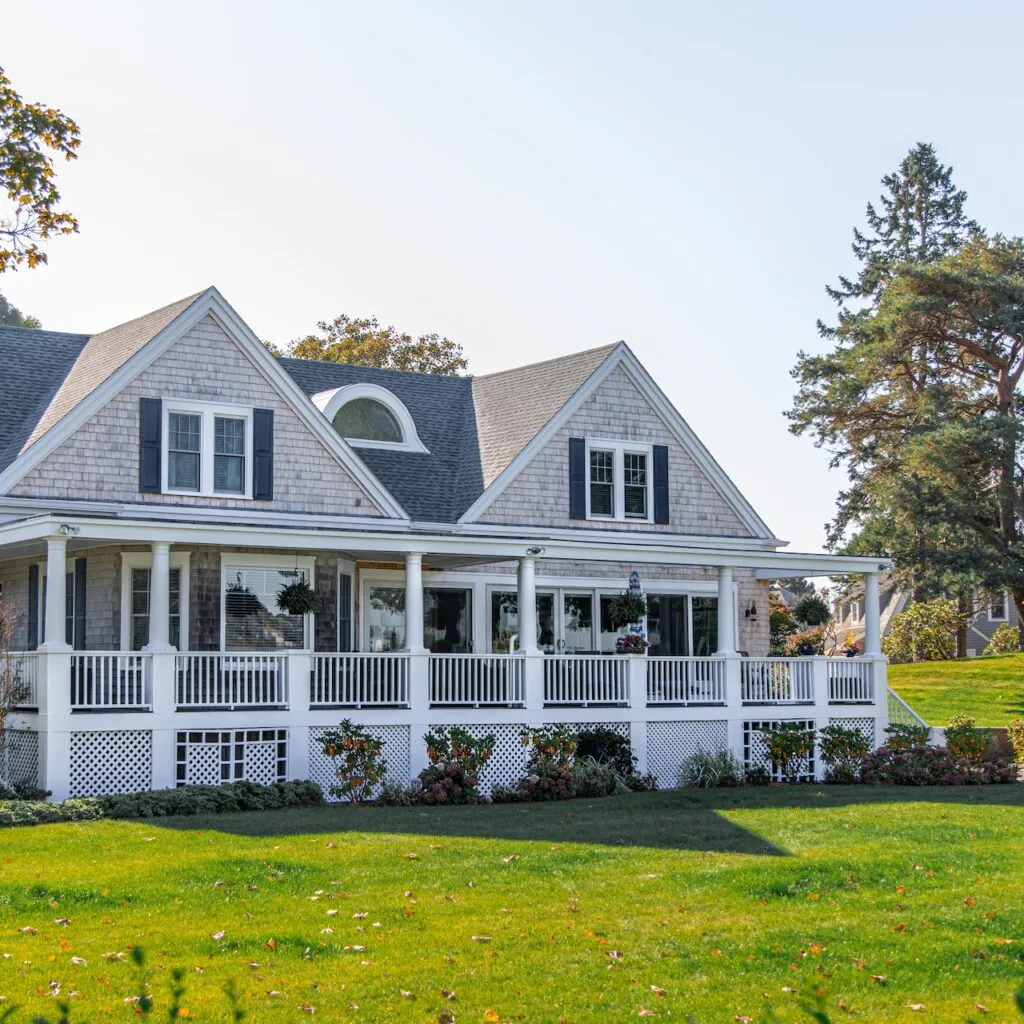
<point>631,643</point>
<point>850,646</point>
<point>298,598</point>
<point>626,608</point>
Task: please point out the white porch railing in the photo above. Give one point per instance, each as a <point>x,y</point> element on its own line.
<point>214,679</point>
<point>110,681</point>
<point>850,681</point>
<point>359,681</point>
<point>476,679</point>
<point>900,712</point>
<point>685,681</point>
<point>22,669</point>
<point>585,680</point>
<point>776,681</point>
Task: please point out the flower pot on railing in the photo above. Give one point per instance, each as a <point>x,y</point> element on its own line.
<point>632,643</point>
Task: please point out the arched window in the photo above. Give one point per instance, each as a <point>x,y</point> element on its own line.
<point>370,416</point>
<point>366,419</point>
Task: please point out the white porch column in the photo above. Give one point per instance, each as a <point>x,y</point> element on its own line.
<point>160,598</point>
<point>872,616</point>
<point>726,612</point>
<point>56,595</point>
<point>414,603</point>
<point>527,604</point>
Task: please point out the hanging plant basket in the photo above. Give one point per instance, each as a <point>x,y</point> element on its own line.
<point>298,598</point>
<point>626,608</point>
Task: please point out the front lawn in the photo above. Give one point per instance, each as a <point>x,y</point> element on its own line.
<point>713,904</point>
<point>990,689</point>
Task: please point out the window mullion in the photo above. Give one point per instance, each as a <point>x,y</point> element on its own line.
<point>206,453</point>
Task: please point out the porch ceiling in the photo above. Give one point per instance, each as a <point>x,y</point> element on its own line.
<point>441,549</point>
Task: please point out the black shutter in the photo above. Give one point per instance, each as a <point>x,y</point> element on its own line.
<point>577,478</point>
<point>78,637</point>
<point>661,483</point>
<point>345,612</point>
<point>150,428</point>
<point>263,454</point>
<point>32,641</point>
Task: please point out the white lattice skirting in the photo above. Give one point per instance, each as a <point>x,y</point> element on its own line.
<point>865,726</point>
<point>19,757</point>
<point>111,762</point>
<point>671,743</point>
<point>755,750</point>
<point>211,757</point>
<point>396,752</point>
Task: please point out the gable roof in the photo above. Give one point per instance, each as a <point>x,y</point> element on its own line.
<point>512,406</point>
<point>35,365</point>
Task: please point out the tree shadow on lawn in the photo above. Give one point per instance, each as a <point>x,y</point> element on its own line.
<point>672,819</point>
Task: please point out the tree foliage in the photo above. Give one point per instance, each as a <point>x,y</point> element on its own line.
<point>926,631</point>
<point>11,316</point>
<point>363,342</point>
<point>32,135</point>
<point>813,610</point>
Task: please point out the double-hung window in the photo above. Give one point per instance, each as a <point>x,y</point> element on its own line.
<point>208,449</point>
<point>619,484</point>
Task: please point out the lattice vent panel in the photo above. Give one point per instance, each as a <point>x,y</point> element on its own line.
<point>396,752</point>
<point>755,751</point>
<point>19,757</point>
<point>111,762</point>
<point>865,726</point>
<point>213,757</point>
<point>506,765</point>
<point>671,743</point>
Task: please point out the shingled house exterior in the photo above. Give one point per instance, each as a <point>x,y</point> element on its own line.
<point>161,481</point>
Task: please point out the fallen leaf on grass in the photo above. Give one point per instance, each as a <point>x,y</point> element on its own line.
<point>359,917</point>
<point>412,856</point>
<point>115,956</point>
<point>307,1008</point>
<point>447,994</point>
<point>510,858</point>
<point>980,1008</point>
<point>356,949</point>
<point>274,994</point>
<point>79,962</point>
<point>659,992</point>
<point>614,954</point>
<point>879,978</point>
<point>481,938</point>
<point>446,1017</point>
<point>916,1007</point>
<point>644,1012</point>
<point>27,930</point>
<point>217,936</point>
<point>491,1017</point>
<point>62,920</point>
<point>407,995</point>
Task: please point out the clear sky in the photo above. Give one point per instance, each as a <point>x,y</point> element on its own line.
<point>528,178</point>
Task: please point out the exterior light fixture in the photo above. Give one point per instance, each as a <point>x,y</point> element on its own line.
<point>751,611</point>
<point>535,551</point>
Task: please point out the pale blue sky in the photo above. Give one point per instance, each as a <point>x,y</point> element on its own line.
<point>528,178</point>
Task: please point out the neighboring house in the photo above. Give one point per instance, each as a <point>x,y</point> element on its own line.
<point>162,480</point>
<point>987,614</point>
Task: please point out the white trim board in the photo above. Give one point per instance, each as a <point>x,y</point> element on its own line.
<point>621,356</point>
<point>210,303</point>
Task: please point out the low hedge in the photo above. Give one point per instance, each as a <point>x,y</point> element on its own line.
<point>164,803</point>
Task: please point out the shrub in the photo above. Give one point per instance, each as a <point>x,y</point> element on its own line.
<point>756,775</point>
<point>607,745</point>
<point>393,794</point>
<point>904,735</point>
<point>780,623</point>
<point>709,770</point>
<point>805,641</point>
<point>842,750</point>
<point>456,761</point>
<point>358,765</point>
<point>549,774</point>
<point>38,812</point>
<point>592,778</point>
<point>788,744</point>
<point>931,766</point>
<point>813,611</point>
<point>1016,731</point>
<point>1005,640</point>
<point>926,631</point>
<point>508,795</point>
<point>964,741</point>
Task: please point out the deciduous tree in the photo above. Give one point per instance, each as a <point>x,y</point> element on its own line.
<point>32,135</point>
<point>11,316</point>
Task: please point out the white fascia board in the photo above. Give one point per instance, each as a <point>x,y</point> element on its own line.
<point>622,356</point>
<point>147,531</point>
<point>791,564</point>
<point>211,302</point>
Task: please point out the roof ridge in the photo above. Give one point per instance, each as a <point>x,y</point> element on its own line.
<point>554,359</point>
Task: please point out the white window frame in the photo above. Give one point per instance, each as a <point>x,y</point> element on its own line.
<point>330,403</point>
<point>207,413</point>
<point>619,449</point>
<point>230,560</point>
<point>144,560</point>
<point>1005,617</point>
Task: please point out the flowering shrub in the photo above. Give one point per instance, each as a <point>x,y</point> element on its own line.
<point>931,766</point>
<point>456,761</point>
<point>903,736</point>
<point>359,768</point>
<point>964,741</point>
<point>806,641</point>
<point>926,631</point>
<point>1016,731</point>
<point>788,744</point>
<point>842,750</point>
<point>1005,640</point>
<point>549,768</point>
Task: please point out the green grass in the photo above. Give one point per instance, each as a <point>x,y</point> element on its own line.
<point>991,689</point>
<point>729,901</point>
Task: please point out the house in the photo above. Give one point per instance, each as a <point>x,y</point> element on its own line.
<point>161,481</point>
<point>988,612</point>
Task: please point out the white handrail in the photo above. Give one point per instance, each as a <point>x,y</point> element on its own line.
<point>110,681</point>
<point>215,679</point>
<point>850,681</point>
<point>356,680</point>
<point>689,680</point>
<point>776,681</point>
<point>584,680</point>
<point>22,669</point>
<point>899,712</point>
<point>472,680</point>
